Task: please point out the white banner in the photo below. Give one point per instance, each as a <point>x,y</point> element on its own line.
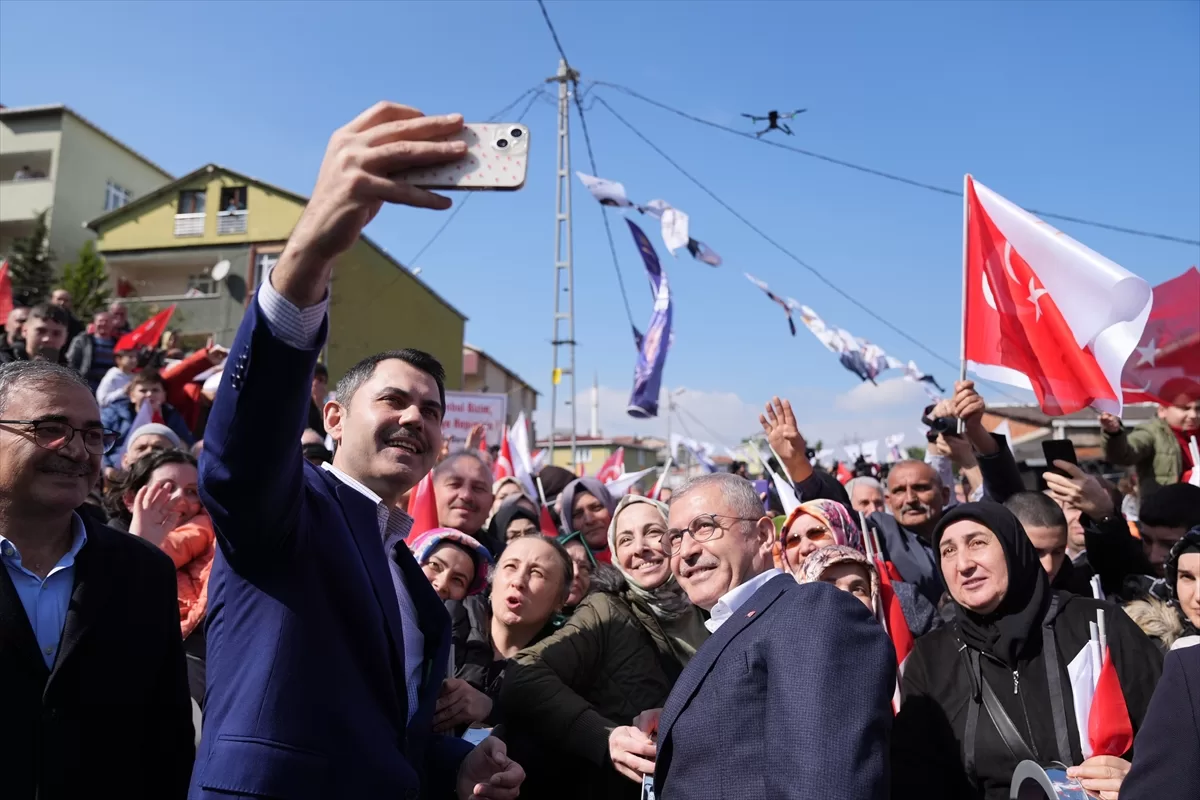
<point>464,410</point>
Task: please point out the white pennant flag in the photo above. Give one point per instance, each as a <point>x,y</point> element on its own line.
<point>893,445</point>
<point>674,229</point>
<point>619,487</point>
<point>853,451</point>
<point>870,451</point>
<point>609,193</point>
<point>518,444</point>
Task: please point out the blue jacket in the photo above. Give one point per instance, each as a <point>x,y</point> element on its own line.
<point>797,669</point>
<point>1166,752</point>
<point>119,417</point>
<point>306,693</point>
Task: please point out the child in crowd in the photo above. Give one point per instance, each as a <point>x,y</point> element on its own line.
<point>115,382</point>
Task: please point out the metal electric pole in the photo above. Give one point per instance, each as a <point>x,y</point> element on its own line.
<point>564,273</point>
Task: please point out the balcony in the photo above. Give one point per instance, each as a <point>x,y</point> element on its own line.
<point>189,224</point>
<point>24,199</point>
<point>231,222</point>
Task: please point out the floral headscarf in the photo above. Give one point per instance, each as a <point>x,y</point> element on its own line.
<point>830,513</point>
<point>815,565</point>
<point>668,601</point>
<point>423,546</point>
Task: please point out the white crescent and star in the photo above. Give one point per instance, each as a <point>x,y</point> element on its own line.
<point>1147,354</point>
<point>1034,296</point>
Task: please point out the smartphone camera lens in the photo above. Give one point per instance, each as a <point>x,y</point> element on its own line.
<point>502,143</point>
<point>515,133</point>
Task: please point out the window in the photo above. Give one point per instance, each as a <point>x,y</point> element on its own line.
<point>233,198</point>
<point>641,458</point>
<point>583,454</point>
<point>115,196</point>
<point>262,266</point>
<point>200,285</point>
<point>191,201</point>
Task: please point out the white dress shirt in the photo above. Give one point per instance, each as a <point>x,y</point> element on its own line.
<point>736,597</point>
<point>299,328</point>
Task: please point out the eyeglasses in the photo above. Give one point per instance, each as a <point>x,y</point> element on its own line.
<point>54,435</point>
<point>702,528</point>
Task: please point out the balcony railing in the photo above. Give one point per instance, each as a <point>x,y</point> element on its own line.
<point>189,224</point>
<point>229,222</point>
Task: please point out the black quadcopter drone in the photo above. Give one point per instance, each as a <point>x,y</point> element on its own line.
<point>772,119</point>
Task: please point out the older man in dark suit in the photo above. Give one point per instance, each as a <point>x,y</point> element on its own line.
<point>326,644</point>
<point>790,696</point>
<point>91,658</point>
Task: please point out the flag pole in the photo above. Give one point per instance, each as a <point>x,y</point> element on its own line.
<point>662,479</point>
<point>962,350</point>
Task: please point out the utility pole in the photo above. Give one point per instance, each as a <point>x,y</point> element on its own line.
<point>564,271</point>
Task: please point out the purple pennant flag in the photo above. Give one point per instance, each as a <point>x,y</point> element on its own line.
<point>652,355</point>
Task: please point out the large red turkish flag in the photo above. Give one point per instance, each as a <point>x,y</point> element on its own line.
<point>1043,312</point>
<point>1165,365</point>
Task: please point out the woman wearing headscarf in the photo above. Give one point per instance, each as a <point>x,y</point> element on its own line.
<point>512,519</point>
<point>1005,658</point>
<point>587,508</point>
<point>456,564</point>
<point>618,655</point>
<point>847,569</point>
<point>819,524</point>
<point>1182,569</point>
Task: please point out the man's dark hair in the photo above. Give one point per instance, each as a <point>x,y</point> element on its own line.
<point>449,461</point>
<point>35,374</point>
<point>50,313</point>
<point>361,372</point>
<point>138,476</point>
<point>321,371</point>
<point>148,377</point>
<point>1036,510</point>
<point>1174,506</point>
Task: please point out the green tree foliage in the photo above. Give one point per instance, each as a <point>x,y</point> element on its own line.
<point>31,265</point>
<point>915,453</point>
<point>87,281</point>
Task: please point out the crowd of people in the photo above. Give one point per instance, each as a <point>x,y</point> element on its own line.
<point>203,598</point>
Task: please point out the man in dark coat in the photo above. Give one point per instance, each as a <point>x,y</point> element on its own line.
<point>91,658</point>
<point>739,696</point>
<point>1166,753</point>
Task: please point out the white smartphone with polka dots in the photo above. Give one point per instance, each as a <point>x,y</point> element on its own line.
<point>496,160</point>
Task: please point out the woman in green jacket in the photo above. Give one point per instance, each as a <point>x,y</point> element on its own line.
<point>618,655</point>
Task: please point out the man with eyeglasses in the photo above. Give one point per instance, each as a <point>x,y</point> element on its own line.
<point>91,659</point>
<point>786,664</point>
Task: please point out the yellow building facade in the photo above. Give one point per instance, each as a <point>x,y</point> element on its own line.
<point>162,249</point>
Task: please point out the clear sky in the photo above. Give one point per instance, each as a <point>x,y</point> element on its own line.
<point>1087,109</point>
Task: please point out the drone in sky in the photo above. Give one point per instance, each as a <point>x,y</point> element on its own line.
<point>772,119</point>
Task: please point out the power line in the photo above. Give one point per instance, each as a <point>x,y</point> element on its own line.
<point>882,174</point>
<point>587,139</point>
<point>537,92</point>
<point>816,273</point>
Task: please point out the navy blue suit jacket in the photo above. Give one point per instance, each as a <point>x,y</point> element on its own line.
<point>790,698</point>
<point>306,692</point>
<point>1166,752</point>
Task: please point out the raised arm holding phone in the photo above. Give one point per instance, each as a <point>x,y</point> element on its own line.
<point>326,645</point>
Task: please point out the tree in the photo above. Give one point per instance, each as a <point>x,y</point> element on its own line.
<point>31,265</point>
<point>87,281</point>
<point>915,453</point>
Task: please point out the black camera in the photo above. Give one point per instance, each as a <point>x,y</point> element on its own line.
<point>946,426</point>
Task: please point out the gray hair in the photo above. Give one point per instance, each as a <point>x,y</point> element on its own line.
<point>737,492</point>
<point>449,461</point>
<point>35,374</point>
<point>937,476</point>
<point>864,480</point>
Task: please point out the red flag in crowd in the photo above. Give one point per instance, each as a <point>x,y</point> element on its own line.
<point>148,334</point>
<point>895,625</point>
<point>844,475</point>
<point>6,297</point>
<point>1110,731</point>
<point>422,507</point>
<point>546,523</point>
<point>503,467</point>
<point>1166,362</point>
<point>1043,312</point>
<point>613,468</point>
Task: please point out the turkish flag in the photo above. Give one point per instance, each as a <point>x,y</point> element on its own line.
<point>892,616</point>
<point>1110,731</point>
<point>503,467</point>
<point>148,334</point>
<point>546,523</point>
<point>612,468</point>
<point>6,300</point>
<point>1166,363</point>
<point>1042,311</point>
<point>422,507</point>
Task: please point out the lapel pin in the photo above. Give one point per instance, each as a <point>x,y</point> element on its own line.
<point>749,615</point>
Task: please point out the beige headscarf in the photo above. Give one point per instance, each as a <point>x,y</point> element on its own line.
<point>667,601</point>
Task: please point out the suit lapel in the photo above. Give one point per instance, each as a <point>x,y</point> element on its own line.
<point>706,657</point>
<point>362,518</point>
<point>88,597</point>
<point>17,641</point>
<point>434,622</point>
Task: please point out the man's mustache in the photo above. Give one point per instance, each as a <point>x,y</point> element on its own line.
<point>64,466</point>
<point>917,505</point>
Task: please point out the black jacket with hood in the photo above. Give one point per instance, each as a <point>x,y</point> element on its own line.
<point>930,747</point>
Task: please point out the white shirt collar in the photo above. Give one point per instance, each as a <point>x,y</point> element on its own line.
<point>736,597</point>
<point>393,522</point>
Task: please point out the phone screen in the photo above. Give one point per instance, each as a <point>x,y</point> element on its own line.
<point>1058,450</point>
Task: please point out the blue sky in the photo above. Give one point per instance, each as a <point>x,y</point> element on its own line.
<point>1086,109</point>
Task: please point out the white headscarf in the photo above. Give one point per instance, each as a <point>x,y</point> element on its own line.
<point>668,601</point>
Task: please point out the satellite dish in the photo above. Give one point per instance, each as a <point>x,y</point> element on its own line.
<point>220,270</point>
